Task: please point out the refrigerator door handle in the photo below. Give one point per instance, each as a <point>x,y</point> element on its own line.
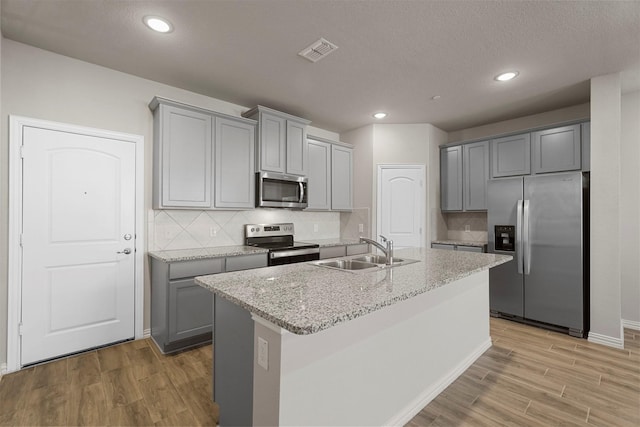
<point>526,242</point>
<point>519,237</point>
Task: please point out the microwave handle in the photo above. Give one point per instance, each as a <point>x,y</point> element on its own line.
<point>301,191</point>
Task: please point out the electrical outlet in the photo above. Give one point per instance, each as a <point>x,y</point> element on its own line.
<point>360,228</point>
<point>467,227</point>
<point>212,232</point>
<point>263,353</point>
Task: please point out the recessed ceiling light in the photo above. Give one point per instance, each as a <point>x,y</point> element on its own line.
<point>504,77</point>
<point>380,115</point>
<point>436,97</point>
<point>158,24</point>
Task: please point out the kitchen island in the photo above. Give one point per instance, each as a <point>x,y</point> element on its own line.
<point>302,344</point>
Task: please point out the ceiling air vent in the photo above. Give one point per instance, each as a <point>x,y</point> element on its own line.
<point>318,50</point>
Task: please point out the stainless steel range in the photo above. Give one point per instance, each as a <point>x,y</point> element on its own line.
<point>278,238</point>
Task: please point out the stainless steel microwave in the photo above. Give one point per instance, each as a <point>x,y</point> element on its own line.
<point>275,190</point>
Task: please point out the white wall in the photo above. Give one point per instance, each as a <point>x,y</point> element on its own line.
<point>44,85</point>
<point>605,210</point>
<point>398,144</point>
<point>630,209</point>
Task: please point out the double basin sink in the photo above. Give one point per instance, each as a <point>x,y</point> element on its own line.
<point>363,263</point>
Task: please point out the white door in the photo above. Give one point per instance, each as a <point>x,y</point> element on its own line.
<point>78,218</point>
<point>401,204</point>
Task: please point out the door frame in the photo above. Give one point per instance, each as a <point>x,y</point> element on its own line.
<point>14,267</point>
<point>423,197</point>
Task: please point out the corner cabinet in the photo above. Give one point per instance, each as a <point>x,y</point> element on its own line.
<point>282,141</point>
<point>188,143</point>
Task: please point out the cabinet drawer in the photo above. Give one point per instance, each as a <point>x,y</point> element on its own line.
<point>469,248</point>
<point>358,249</point>
<point>442,246</point>
<point>246,262</point>
<point>332,252</point>
<point>201,267</point>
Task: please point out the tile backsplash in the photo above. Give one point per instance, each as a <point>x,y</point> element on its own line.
<point>185,229</point>
<point>457,222</point>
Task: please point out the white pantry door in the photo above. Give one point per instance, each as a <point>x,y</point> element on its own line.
<point>401,203</point>
<point>78,218</point>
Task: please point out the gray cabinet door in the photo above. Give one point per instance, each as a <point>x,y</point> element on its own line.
<point>476,173</point>
<point>341,178</point>
<point>451,178</point>
<point>511,155</point>
<point>273,141</point>
<point>319,175</point>
<point>556,150</point>
<point>190,310</point>
<point>586,146</point>
<point>185,141</point>
<point>234,160</point>
<point>297,148</point>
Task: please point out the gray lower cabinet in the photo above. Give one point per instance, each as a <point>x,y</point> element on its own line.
<point>557,149</point>
<point>346,250</point>
<point>185,139</point>
<point>181,310</point>
<point>511,155</point>
<point>454,247</point>
<point>451,178</point>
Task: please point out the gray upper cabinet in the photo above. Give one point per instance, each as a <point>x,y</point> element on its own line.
<point>182,157</point>
<point>341,178</point>
<point>451,178</point>
<point>557,149</point>
<point>319,175</point>
<point>586,146</point>
<point>282,141</point>
<point>511,155</point>
<point>184,175</point>
<point>234,160</point>
<point>475,161</point>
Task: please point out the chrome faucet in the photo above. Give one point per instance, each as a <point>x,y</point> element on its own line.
<point>388,250</point>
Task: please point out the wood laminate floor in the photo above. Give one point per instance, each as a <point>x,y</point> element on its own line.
<point>530,377</point>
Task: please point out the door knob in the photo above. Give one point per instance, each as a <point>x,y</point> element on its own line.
<point>127,251</point>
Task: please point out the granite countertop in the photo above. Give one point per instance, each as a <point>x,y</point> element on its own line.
<point>460,242</point>
<point>203,253</point>
<point>304,298</point>
<point>324,243</point>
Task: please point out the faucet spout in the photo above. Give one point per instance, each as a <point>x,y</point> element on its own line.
<point>387,250</point>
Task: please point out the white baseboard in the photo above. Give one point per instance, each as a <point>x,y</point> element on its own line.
<point>414,407</point>
<point>3,370</point>
<point>606,340</point>
<point>631,324</point>
<point>146,333</point>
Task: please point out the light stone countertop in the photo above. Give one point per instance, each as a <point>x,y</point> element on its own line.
<point>325,243</point>
<point>203,253</point>
<point>460,242</point>
<point>305,298</point>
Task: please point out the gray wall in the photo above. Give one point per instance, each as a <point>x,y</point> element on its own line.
<point>44,85</point>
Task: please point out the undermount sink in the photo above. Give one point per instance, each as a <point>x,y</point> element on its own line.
<point>378,259</point>
<point>347,264</point>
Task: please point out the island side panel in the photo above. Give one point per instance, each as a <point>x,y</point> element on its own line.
<point>383,368</point>
<point>233,363</point>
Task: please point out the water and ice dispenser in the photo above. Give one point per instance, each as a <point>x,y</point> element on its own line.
<point>505,238</point>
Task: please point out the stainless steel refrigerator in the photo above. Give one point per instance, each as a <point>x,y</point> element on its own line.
<point>542,221</point>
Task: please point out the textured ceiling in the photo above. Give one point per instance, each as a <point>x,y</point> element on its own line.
<point>393,55</point>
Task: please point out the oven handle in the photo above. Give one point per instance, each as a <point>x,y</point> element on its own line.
<point>294,252</point>
<point>301,192</point>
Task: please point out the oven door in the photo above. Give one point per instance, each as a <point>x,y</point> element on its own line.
<point>293,255</point>
<point>281,191</point>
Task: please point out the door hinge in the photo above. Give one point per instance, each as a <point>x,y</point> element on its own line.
<point>22,151</point>
<point>20,239</point>
<point>20,329</point>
